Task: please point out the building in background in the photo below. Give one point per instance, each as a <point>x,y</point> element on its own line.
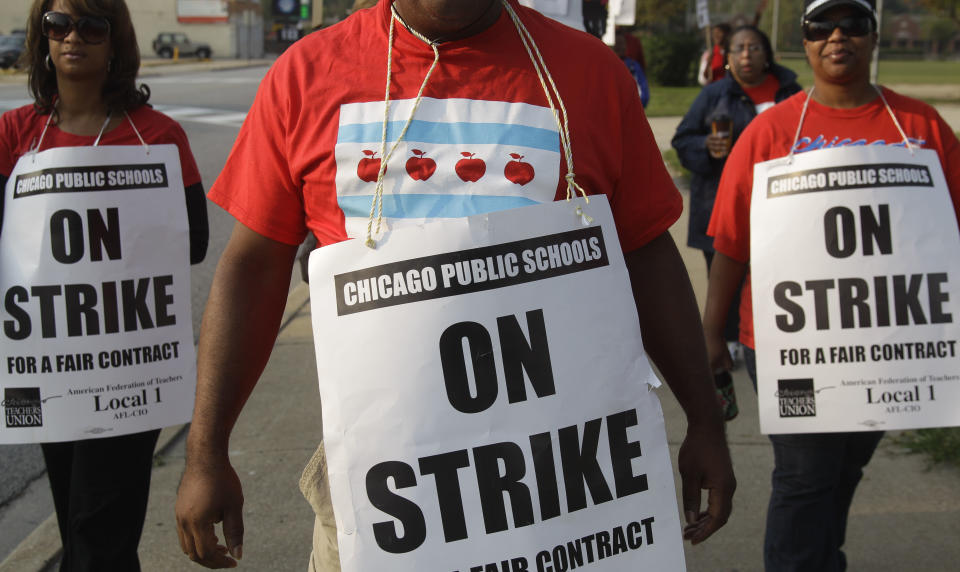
<point>232,28</point>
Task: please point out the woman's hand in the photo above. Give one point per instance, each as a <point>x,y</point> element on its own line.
<point>718,146</point>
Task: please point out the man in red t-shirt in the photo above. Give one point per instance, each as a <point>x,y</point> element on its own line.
<point>303,161</point>
<point>815,474</point>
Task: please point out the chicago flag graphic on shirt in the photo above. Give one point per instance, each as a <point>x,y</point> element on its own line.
<point>459,157</point>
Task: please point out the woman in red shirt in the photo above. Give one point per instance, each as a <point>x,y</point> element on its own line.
<point>83,61</point>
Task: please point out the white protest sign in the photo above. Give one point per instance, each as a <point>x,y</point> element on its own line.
<point>95,278</point>
<point>703,14</point>
<point>855,291</point>
<point>552,7</point>
<point>486,401</point>
<point>619,13</point>
<point>626,12</point>
<point>569,12</point>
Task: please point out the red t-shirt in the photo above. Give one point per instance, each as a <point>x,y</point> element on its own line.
<point>770,136</point>
<point>302,158</point>
<point>20,129</point>
<point>717,63</point>
<point>764,95</point>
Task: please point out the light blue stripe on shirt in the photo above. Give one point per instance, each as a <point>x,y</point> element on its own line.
<point>453,133</point>
<point>431,206</point>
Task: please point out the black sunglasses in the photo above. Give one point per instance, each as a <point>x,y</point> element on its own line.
<point>819,30</point>
<point>57,26</point>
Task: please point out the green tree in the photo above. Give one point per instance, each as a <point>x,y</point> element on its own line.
<point>660,15</point>
<point>940,33</point>
<point>946,8</point>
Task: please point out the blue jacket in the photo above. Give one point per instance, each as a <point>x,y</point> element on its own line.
<point>636,70</point>
<point>724,97</point>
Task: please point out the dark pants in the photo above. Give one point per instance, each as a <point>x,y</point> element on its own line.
<point>100,489</point>
<point>814,478</point>
<point>594,17</point>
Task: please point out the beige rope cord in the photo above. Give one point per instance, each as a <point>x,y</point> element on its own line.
<point>96,143</point>
<point>803,114</point>
<point>377,205</point>
<point>543,74</point>
<point>906,140</point>
<point>563,123</point>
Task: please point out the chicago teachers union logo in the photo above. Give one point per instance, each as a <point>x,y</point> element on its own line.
<point>22,407</point>
<point>797,398</point>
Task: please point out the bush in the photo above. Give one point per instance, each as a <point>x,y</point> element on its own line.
<point>902,53</point>
<point>940,445</point>
<point>672,59</point>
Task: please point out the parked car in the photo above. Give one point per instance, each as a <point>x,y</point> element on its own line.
<point>165,42</point>
<point>10,49</point>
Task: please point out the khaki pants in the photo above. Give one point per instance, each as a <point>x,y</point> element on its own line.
<point>325,556</point>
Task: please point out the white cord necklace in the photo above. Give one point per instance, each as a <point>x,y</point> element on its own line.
<point>96,142</point>
<point>803,114</point>
<point>376,208</point>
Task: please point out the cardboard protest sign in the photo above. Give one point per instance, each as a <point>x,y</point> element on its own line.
<point>855,291</point>
<point>95,278</point>
<point>486,398</point>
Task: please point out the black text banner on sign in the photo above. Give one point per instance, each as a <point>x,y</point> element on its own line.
<point>853,266</point>
<point>95,313</point>
<point>95,178</point>
<point>496,409</point>
<point>474,270</point>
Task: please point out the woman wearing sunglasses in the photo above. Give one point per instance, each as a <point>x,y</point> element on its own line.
<point>847,124</point>
<point>704,137</point>
<point>83,62</point>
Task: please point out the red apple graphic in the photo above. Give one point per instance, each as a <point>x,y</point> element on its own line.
<point>369,167</point>
<point>469,169</point>
<point>517,171</point>
<point>420,167</point>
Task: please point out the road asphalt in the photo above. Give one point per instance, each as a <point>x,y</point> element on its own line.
<point>905,516</point>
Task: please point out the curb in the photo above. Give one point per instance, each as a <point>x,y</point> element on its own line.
<point>41,549</point>
<point>36,552</point>
<point>156,67</point>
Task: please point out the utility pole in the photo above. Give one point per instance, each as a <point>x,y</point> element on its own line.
<point>875,64</point>
<point>775,27</point>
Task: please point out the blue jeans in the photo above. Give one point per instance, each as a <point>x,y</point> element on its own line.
<point>814,478</point>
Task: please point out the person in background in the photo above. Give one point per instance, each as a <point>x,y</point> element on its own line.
<point>83,62</point>
<point>635,67</point>
<point>815,474</point>
<point>712,61</point>
<point>704,137</point>
<point>595,17</point>
<point>633,47</point>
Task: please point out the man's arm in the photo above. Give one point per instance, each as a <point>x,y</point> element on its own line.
<point>240,325</point>
<point>672,336</point>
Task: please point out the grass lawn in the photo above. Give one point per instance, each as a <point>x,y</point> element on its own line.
<point>667,101</point>
<point>940,445</point>
<point>894,71</point>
